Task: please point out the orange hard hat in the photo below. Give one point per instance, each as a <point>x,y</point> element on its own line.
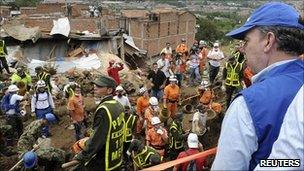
<point>79,145</point>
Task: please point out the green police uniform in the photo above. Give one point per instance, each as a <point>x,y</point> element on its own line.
<point>233,74</point>
<point>104,149</point>
<point>142,159</point>
<point>176,138</point>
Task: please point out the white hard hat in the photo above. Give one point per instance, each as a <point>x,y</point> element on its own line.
<point>13,88</point>
<point>172,78</point>
<point>142,90</point>
<point>153,101</point>
<point>202,42</point>
<point>119,88</point>
<point>192,140</point>
<point>205,83</point>
<point>216,44</point>
<point>155,120</point>
<point>40,83</point>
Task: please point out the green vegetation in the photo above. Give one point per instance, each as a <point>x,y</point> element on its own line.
<point>26,3</point>
<point>214,26</point>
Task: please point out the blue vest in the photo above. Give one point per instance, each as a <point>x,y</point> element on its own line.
<point>268,100</point>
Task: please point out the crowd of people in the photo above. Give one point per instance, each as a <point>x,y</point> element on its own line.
<point>128,136</point>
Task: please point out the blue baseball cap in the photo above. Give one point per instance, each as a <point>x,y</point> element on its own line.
<point>270,14</point>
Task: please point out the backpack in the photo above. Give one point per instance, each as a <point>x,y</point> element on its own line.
<point>5,103</point>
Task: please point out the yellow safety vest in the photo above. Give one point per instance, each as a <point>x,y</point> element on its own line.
<point>15,78</point>
<point>141,160</point>
<point>173,142</point>
<point>2,54</point>
<point>115,136</point>
<point>233,78</point>
<point>129,127</point>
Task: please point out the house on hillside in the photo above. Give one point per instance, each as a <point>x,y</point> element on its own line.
<point>151,30</point>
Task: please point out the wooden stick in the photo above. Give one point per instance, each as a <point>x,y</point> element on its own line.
<point>69,164</point>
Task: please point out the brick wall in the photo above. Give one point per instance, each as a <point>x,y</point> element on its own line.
<point>83,25</point>
<point>50,8</point>
<point>5,11</point>
<point>28,10</point>
<point>170,27</point>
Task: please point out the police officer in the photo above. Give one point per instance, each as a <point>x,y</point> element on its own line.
<point>144,156</point>
<point>104,149</point>
<point>176,137</point>
<point>3,52</point>
<point>232,74</point>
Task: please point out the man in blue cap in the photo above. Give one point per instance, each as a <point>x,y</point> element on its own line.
<point>265,121</point>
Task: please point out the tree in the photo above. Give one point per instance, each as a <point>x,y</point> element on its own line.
<point>26,3</point>
<point>208,30</point>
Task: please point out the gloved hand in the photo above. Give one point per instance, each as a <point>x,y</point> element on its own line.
<point>160,131</point>
<point>223,88</point>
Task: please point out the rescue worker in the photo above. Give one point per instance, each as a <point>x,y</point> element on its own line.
<point>104,149</point>
<point>203,54</point>
<point>41,104</point>
<point>32,132</point>
<point>232,76</point>
<point>142,104</point>
<point>143,156</point>
<point>194,147</point>
<point>182,49</point>
<point>12,111</point>
<point>207,98</point>
<point>46,77</point>
<point>21,78</point>
<point>77,113</point>
<point>157,137</point>
<point>176,137</point>
<point>152,111</point>
<point>120,97</point>
<point>3,52</point>
<point>172,96</point>
<point>167,51</point>
<point>130,129</point>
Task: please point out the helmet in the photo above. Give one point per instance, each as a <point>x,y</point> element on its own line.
<point>202,42</point>
<point>50,118</point>
<point>38,68</point>
<point>79,145</point>
<point>155,120</point>
<point>153,101</point>
<point>142,90</point>
<point>13,88</point>
<point>183,40</point>
<point>172,78</point>
<point>192,140</point>
<point>119,88</point>
<point>29,159</point>
<point>40,83</point>
<point>205,83</point>
<point>216,44</point>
